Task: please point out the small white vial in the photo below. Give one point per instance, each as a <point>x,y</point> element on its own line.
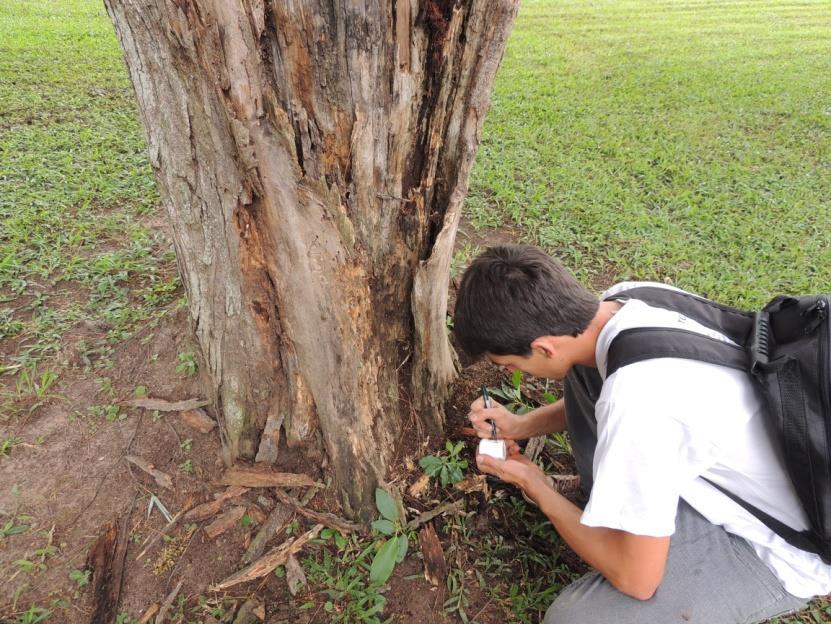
<point>493,448</point>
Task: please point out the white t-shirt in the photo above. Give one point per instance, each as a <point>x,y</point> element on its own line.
<point>663,423</point>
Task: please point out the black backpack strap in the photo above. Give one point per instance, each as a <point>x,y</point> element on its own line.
<point>733,323</point>
<point>647,343</point>
<point>803,540</point>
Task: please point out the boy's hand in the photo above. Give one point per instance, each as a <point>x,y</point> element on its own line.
<point>508,425</point>
<point>516,469</point>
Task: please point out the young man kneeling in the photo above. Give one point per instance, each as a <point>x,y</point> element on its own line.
<point>666,544</point>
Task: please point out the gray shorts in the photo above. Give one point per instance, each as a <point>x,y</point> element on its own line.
<point>711,577</point>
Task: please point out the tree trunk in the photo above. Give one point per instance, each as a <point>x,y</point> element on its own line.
<point>313,156</point>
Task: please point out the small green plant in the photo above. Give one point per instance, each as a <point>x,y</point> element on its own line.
<point>34,615</point>
<point>515,400</point>
<point>390,525</point>
<point>10,528</point>
<point>246,520</point>
<point>140,392</point>
<point>110,413</point>
<point>81,577</point>
<point>186,466</point>
<point>6,445</point>
<point>187,365</point>
<point>186,444</point>
<point>448,468</point>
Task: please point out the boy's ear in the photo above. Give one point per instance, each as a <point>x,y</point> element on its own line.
<point>545,344</point>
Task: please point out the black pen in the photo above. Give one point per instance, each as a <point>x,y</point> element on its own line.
<point>487,400</point>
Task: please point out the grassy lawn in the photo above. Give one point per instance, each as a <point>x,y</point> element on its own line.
<point>76,190</point>
<point>681,141</point>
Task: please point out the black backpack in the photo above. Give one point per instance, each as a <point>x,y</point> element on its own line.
<point>786,349</point>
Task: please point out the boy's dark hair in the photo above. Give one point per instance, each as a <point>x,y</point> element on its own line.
<point>513,294</point>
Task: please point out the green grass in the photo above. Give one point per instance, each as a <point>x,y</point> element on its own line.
<point>687,142</point>
<point>76,189</point>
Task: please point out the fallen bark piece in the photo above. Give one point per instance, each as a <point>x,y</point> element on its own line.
<point>106,560</point>
<point>435,565</point>
<point>263,476</point>
<point>474,483</point>
<point>419,486</point>
<point>162,478</point>
<point>168,602</point>
<point>151,611</point>
<point>534,447</point>
<point>166,406</point>
<point>295,577</point>
<point>224,522</point>
<point>267,563</point>
<point>256,514</point>
<point>276,520</point>
<point>211,508</point>
<point>567,484</point>
<point>198,419</point>
<point>454,507</point>
<point>249,612</point>
<point>326,519</point>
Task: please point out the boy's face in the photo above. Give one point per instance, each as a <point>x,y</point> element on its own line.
<point>542,363</point>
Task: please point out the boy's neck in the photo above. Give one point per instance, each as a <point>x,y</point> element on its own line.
<point>605,311</point>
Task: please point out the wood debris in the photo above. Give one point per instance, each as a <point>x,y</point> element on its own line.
<point>211,508</point>
<point>567,484</point>
<point>534,447</point>
<point>263,476</point>
<point>250,612</point>
<point>267,563</point>
<point>435,565</point>
<point>224,522</point>
<point>276,520</point>
<point>256,514</point>
<point>198,419</point>
<point>295,577</point>
<point>162,478</point>
<point>452,507</point>
<point>151,611</point>
<point>419,486</point>
<point>326,519</point>
<point>166,406</point>
<point>168,603</point>
<point>474,483</point>
<point>106,560</point>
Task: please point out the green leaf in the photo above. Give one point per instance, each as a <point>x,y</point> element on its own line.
<point>386,505</point>
<point>428,461</point>
<point>384,562</point>
<point>548,397</point>
<point>340,540</point>
<point>444,475</point>
<point>516,379</point>
<point>326,533</point>
<point>403,545</point>
<point>384,526</point>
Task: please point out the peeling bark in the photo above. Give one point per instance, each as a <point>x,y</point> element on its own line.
<point>313,157</point>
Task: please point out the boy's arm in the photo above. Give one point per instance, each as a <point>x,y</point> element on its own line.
<point>633,564</point>
<point>541,421</point>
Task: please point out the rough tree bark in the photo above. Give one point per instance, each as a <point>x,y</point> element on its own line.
<point>313,156</point>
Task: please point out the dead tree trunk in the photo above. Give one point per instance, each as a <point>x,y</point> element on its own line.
<point>313,156</point>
